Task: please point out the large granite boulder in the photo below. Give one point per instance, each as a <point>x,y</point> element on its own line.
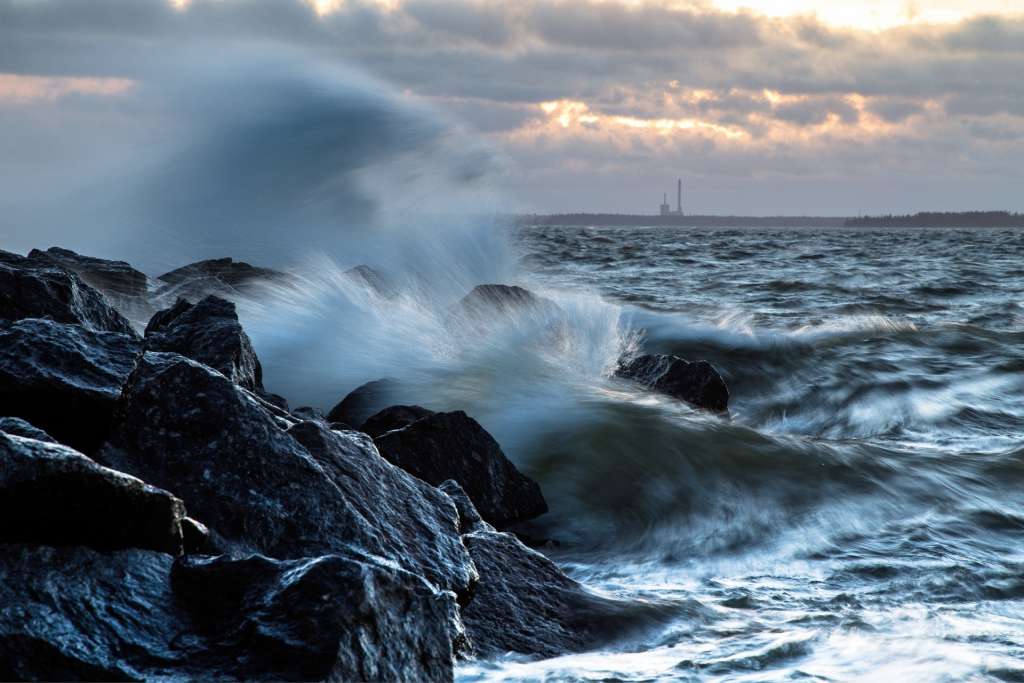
<point>40,288</point>
<point>223,277</point>
<point>64,379</point>
<point>453,445</point>
<point>341,617</point>
<point>297,493</point>
<point>210,333</point>
<point>364,401</point>
<point>74,613</point>
<point>696,382</point>
<point>53,495</point>
<point>113,278</point>
<point>393,417</point>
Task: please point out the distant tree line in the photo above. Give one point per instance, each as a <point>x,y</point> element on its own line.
<point>685,220</point>
<point>932,219</point>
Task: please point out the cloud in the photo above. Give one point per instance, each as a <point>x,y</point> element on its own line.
<point>676,85</point>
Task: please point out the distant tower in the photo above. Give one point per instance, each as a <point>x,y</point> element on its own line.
<point>679,197</point>
<point>665,209</point>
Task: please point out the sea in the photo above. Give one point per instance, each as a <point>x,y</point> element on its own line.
<point>858,515</point>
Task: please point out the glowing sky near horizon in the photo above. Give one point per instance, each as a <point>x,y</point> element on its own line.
<point>877,14</point>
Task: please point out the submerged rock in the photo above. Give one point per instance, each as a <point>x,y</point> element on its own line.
<point>342,617</point>
<point>64,379</point>
<point>395,417</point>
<point>38,288</point>
<point>453,445</point>
<point>365,401</point>
<point>77,614</point>
<point>304,492</point>
<point>53,495</point>
<point>697,382</point>
<point>210,333</point>
<point>114,278</point>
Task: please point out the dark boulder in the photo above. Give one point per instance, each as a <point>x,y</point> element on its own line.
<point>342,617</point>
<point>223,277</point>
<point>395,417</point>
<point>524,603</point>
<point>18,427</point>
<point>484,301</point>
<point>372,280</point>
<point>210,333</point>
<point>196,538</point>
<point>53,495</point>
<point>77,614</point>
<point>304,492</point>
<point>364,401</point>
<point>454,446</point>
<point>64,379</point>
<point>113,278</point>
<point>310,414</point>
<point>696,382</point>
<point>35,288</point>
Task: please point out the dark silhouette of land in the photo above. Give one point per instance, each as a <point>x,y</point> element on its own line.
<point>962,219</point>
<point>928,219</point>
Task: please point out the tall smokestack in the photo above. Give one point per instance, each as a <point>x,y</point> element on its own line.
<point>679,196</point>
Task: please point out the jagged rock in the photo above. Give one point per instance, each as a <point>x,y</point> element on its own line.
<point>77,614</point>
<point>697,382</point>
<point>395,417</point>
<point>342,617</point>
<point>469,517</point>
<point>19,427</point>
<point>364,401</point>
<point>222,277</point>
<point>53,495</point>
<point>487,305</point>
<point>210,333</point>
<point>372,280</point>
<point>309,413</point>
<point>186,428</point>
<point>454,446</point>
<point>37,288</point>
<point>116,278</point>
<point>196,538</point>
<point>64,379</point>
<point>524,603</point>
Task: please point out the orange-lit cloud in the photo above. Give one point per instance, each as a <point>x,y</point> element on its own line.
<point>20,89</point>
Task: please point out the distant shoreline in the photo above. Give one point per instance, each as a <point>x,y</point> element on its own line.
<point>967,219</point>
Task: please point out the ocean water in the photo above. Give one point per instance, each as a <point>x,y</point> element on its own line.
<point>858,516</point>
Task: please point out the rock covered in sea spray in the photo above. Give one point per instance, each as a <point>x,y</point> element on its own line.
<point>365,401</point>
<point>65,379</point>
<point>126,288</point>
<point>42,288</point>
<point>223,277</point>
<point>288,491</point>
<point>491,305</point>
<point>210,333</point>
<point>443,446</point>
<point>695,382</point>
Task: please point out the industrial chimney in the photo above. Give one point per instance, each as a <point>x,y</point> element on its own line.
<point>679,197</point>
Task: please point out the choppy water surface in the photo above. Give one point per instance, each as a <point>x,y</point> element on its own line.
<point>860,517</point>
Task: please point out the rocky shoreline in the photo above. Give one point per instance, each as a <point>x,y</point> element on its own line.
<point>168,517</point>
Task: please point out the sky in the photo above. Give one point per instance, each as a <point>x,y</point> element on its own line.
<point>835,107</point>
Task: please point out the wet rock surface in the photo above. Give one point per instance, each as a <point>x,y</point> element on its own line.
<point>453,445</point>
<point>41,288</point>
<point>210,333</point>
<point>695,382</point>
<point>64,379</point>
<point>223,277</point>
<point>53,495</point>
<point>15,426</point>
<point>341,617</point>
<point>365,401</point>
<point>259,488</point>
<point>113,278</point>
<point>395,417</point>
